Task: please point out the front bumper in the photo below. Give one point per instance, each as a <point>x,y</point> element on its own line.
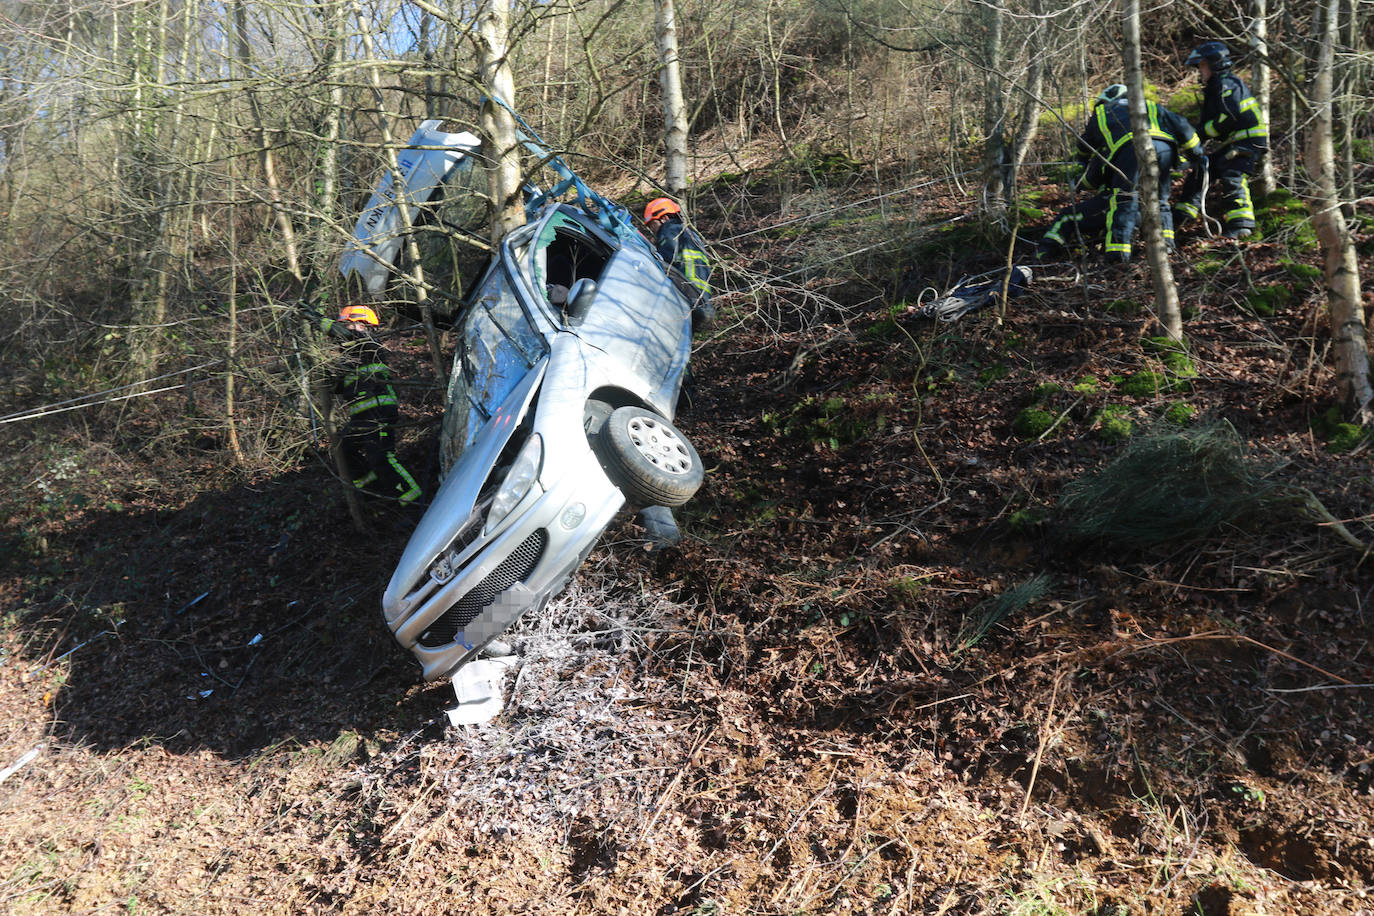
<point>449,611</point>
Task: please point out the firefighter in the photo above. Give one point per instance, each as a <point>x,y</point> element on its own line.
<point>1173,136</point>
<point>1105,149</point>
<point>1232,123</point>
<point>364,386</point>
<point>679,246</point>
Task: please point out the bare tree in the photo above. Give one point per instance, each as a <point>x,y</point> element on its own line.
<point>499,142</point>
<point>1258,33</point>
<point>674,108</point>
<point>1342,271</point>
<point>1147,182</point>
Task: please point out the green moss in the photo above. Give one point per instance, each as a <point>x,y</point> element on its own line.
<point>828,421</point>
<point>1113,423</point>
<point>1180,413</point>
<point>1123,307</point>
<point>906,591</point>
<point>1088,384</point>
<point>1046,391</point>
<point>1180,366</point>
<point>1299,271</point>
<point>1026,520</point>
<point>1339,435</point>
<point>1163,345</point>
<point>1071,114</point>
<point>1033,422</point>
<point>1209,264</point>
<point>1264,301</point>
<point>1145,383</point>
<point>1285,217</point>
<point>1187,102</point>
<point>992,374</point>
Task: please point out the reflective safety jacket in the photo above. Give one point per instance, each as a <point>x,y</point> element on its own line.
<point>1231,115</point>
<point>679,246</point>
<point>365,383</point>
<point>1173,129</point>
<point>1108,132</point>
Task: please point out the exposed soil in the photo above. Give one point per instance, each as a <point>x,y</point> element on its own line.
<point>789,713</point>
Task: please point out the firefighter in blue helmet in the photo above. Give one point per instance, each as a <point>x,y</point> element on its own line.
<point>1105,149</point>
<point>680,247</point>
<point>364,386</point>
<point>1232,124</point>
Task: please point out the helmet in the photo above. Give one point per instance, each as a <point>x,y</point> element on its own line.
<point>1214,52</point>
<point>660,207</point>
<point>358,313</point>
<point>1116,92</point>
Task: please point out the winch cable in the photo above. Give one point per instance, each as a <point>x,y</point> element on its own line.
<point>87,400</point>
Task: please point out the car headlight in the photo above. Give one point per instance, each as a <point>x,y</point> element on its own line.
<point>521,476</point>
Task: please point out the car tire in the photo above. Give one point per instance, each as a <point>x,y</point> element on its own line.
<point>647,458</point>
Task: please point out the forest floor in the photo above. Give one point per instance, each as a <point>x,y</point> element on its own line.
<point>877,676</point>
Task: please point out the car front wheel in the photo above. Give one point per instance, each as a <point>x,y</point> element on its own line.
<point>647,458</point>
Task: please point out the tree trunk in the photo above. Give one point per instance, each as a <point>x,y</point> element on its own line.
<point>1349,106</point>
<point>1147,185</point>
<point>674,109</point>
<point>1028,120</point>
<point>994,112</point>
<point>498,124</point>
<point>263,141</point>
<point>1265,181</point>
<point>1350,348</point>
<point>417,275</point>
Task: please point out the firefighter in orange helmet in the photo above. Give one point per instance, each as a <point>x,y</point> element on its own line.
<point>680,247</point>
<point>364,387</point>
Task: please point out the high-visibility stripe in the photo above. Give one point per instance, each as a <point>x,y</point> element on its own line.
<point>370,369</point>
<point>690,259</point>
<point>1053,233</point>
<point>412,489</point>
<point>381,400</point>
<point>1111,244</point>
<point>1113,143</point>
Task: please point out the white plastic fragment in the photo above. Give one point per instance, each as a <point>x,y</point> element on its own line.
<point>19,764</point>
<point>480,688</point>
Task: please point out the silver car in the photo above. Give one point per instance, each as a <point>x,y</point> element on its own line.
<point>571,352</point>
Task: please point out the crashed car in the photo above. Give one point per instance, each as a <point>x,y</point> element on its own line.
<point>571,351</point>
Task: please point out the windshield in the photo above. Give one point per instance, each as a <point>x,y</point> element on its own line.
<point>496,347</point>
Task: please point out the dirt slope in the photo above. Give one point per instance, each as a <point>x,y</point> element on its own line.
<point>808,707</point>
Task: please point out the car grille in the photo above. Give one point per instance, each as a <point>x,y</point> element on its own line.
<point>513,569</point>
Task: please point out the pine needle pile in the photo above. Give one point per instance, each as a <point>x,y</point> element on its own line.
<point>1172,487</point>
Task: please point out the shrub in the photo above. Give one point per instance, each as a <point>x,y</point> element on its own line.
<point>1170,487</point>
